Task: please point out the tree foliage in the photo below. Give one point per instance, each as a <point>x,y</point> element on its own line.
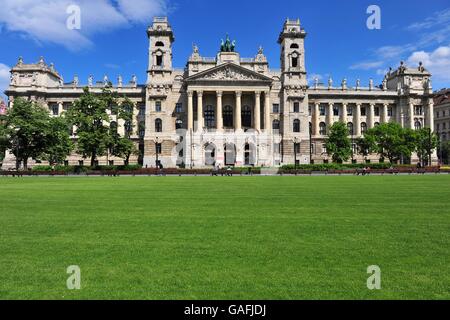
<point>338,143</point>
<point>426,142</point>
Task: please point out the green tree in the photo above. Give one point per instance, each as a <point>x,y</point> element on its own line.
<point>426,142</point>
<point>90,115</point>
<point>390,141</point>
<point>26,129</point>
<point>338,143</point>
<point>59,144</point>
<point>444,151</point>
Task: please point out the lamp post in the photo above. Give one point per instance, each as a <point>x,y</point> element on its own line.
<point>157,152</point>
<point>310,143</point>
<point>295,140</point>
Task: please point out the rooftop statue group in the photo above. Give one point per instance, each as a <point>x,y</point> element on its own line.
<point>227,45</point>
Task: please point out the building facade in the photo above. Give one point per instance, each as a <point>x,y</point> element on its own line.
<point>231,110</point>
<point>442,114</point>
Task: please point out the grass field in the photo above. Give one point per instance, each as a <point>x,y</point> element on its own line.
<point>225,238</point>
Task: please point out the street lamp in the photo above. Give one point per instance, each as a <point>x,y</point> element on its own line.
<point>310,143</point>
<point>157,152</point>
<point>295,140</point>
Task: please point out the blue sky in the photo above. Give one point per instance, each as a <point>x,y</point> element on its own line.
<point>112,38</point>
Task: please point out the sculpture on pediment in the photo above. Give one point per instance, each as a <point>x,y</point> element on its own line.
<point>384,84</point>
<point>20,61</point>
<point>330,83</point>
<point>119,81</point>
<point>421,67</point>
<point>134,80</point>
<point>358,84</point>
<point>90,80</point>
<point>316,83</point>
<point>75,81</point>
<point>229,74</point>
<point>344,84</point>
<point>402,67</point>
<point>370,84</point>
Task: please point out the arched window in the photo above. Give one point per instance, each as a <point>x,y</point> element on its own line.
<point>228,117</point>
<point>113,127</point>
<point>417,125</point>
<point>210,117</point>
<point>322,129</point>
<point>350,128</point>
<point>210,154</point>
<point>128,128</point>
<point>229,154</point>
<point>246,114</point>
<point>159,58</point>
<point>159,44</point>
<point>294,60</point>
<point>296,125</point>
<point>294,46</point>
<point>363,127</point>
<point>249,154</point>
<point>158,125</point>
<point>276,124</point>
<point>179,124</point>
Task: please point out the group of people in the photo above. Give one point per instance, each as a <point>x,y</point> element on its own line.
<point>218,170</point>
<point>364,171</point>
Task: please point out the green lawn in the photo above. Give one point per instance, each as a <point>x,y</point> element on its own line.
<point>225,237</point>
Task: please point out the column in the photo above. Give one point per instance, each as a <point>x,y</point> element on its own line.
<point>257,113</point>
<point>384,118</point>
<point>190,110</point>
<point>357,119</point>
<point>430,117</point>
<point>267,122</point>
<point>60,108</point>
<point>199,110</point>
<point>219,110</point>
<point>411,115</point>
<point>316,119</point>
<point>135,128</point>
<point>237,121</point>
<point>343,117</point>
<point>371,116</point>
<point>330,116</point>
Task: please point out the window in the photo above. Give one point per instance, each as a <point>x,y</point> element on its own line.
<point>81,163</point>
<point>276,108</point>
<point>324,148</point>
<point>210,117</point>
<point>276,124</point>
<point>296,125</point>
<point>246,114</point>
<point>178,107</point>
<point>350,128</point>
<point>418,110</point>
<point>158,125</point>
<point>128,128</point>
<point>335,110</point>
<point>294,61</point>
<point>313,148</point>
<point>322,110</point>
<point>276,148</point>
<point>363,127</point>
<point>296,147</point>
<point>158,148</point>
<point>158,106</point>
<point>142,110</point>
<point>159,44</point>
<point>322,129</point>
<point>178,124</point>
<point>417,125</point>
<point>228,117</point>
<point>111,162</point>
<point>363,111</point>
<point>294,46</point>
<point>437,127</point>
<point>55,109</point>
<point>296,107</point>
<point>349,111</point>
<point>390,111</point>
<point>141,129</point>
<point>377,111</point>
<point>159,60</point>
<point>310,110</point>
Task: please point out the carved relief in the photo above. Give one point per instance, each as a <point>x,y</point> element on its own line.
<point>228,73</point>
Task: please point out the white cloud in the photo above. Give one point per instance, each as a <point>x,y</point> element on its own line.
<point>45,20</point>
<point>437,62</point>
<point>366,65</point>
<point>439,18</point>
<point>4,77</point>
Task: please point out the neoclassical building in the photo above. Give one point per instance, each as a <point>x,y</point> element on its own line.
<point>231,110</point>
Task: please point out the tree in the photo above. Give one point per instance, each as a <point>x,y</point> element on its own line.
<point>59,144</point>
<point>338,143</point>
<point>366,144</point>
<point>444,151</point>
<point>389,140</point>
<point>90,116</point>
<point>426,142</point>
<point>26,129</point>
<point>124,148</point>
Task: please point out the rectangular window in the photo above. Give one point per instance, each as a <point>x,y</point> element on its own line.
<point>297,147</point>
<point>178,107</point>
<point>322,110</point>
<point>142,110</point>
<point>390,111</point>
<point>335,110</point>
<point>296,107</point>
<point>158,106</point>
<point>363,111</point>
<point>158,148</point>
<point>55,109</point>
<point>349,111</point>
<point>418,110</point>
<point>324,148</point>
<point>276,108</point>
<point>276,148</point>
<point>309,110</point>
<point>377,111</point>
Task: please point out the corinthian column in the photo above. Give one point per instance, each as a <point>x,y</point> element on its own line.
<point>430,117</point>
<point>199,110</point>
<point>257,114</point>
<point>385,113</point>
<point>371,115</point>
<point>411,115</point>
<point>343,116</point>
<point>219,111</point>
<point>330,116</point>
<point>316,119</point>
<point>238,113</point>
<point>357,119</point>
<point>190,110</point>
<point>267,123</point>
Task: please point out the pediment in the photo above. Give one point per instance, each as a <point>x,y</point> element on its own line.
<point>229,72</point>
